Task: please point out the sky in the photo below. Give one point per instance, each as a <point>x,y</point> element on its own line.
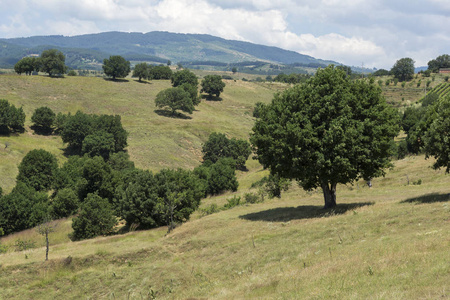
<point>373,33</point>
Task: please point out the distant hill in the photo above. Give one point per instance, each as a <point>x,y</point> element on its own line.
<point>86,51</point>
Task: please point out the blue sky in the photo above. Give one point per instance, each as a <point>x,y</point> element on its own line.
<point>375,33</point>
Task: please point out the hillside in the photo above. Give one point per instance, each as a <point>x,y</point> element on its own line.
<point>152,46</point>
<point>387,242</point>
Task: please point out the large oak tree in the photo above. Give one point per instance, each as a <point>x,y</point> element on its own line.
<point>327,131</point>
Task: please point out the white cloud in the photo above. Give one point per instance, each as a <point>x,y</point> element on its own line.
<point>376,32</point>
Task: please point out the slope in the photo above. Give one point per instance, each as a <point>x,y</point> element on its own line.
<point>173,46</point>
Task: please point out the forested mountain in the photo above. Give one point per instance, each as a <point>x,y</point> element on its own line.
<point>87,50</point>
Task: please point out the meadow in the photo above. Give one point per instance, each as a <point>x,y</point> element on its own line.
<point>390,241</point>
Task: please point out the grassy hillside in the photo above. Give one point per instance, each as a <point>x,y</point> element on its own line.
<point>155,141</point>
<point>387,242</point>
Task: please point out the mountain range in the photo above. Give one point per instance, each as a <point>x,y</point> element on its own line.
<point>89,50</point>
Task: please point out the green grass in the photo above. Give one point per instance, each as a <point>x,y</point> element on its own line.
<point>387,242</point>
<point>391,241</point>
<point>155,141</point>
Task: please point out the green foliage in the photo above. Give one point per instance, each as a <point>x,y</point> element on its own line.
<point>219,146</point>
<point>22,245</point>
<point>273,185</point>
<point>96,218</point>
<point>43,118</point>
<point>72,73</point>
<point>257,110</point>
<point>52,62</point>
<point>381,72</point>
<point>27,65</point>
<point>403,69</point>
<point>252,198</point>
<point>120,161</point>
<point>98,178</point>
<point>442,61</point>
<point>402,149</point>
<point>184,76</point>
<point>210,209</point>
<point>116,67</point>
<point>38,169</point>
<point>212,85</point>
<point>64,204</point>
<point>160,72</point>
<point>437,137</point>
<point>141,71</point>
<point>446,78</point>
<point>232,202</point>
<point>11,118</point>
<point>100,143</point>
<point>136,199</point>
<point>328,131</point>
<point>23,208</point>
<point>292,78</point>
<point>175,98</point>
<point>77,127</point>
<point>222,177</point>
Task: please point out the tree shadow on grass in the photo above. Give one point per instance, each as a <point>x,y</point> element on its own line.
<point>168,113</point>
<point>116,80</point>
<point>285,214</point>
<point>211,98</point>
<point>428,198</point>
<point>143,81</point>
<point>42,130</point>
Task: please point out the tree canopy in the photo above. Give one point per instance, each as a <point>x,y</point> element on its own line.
<point>212,85</point>
<point>11,118</point>
<point>44,118</point>
<point>437,137</point>
<point>327,131</point>
<point>184,76</point>
<point>116,67</point>
<point>27,65</point>
<point>442,61</point>
<point>38,169</point>
<point>403,69</point>
<point>175,98</point>
<point>52,61</point>
<point>141,71</point>
<point>219,146</point>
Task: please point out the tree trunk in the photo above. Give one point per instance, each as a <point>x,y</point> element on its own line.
<point>46,240</point>
<point>329,194</point>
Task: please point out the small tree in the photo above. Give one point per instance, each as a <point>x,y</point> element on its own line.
<point>175,99</point>
<point>64,204</point>
<point>26,65</point>
<point>437,137</point>
<point>96,218</point>
<point>116,67</point>
<point>219,146</point>
<point>403,69</point>
<point>141,71</point>
<point>52,62</point>
<point>99,143</point>
<point>212,85</point>
<point>44,229</point>
<point>11,118</point>
<point>43,118</point>
<point>184,76</point>
<point>38,169</point>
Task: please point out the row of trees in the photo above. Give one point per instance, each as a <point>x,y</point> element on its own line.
<point>50,61</point>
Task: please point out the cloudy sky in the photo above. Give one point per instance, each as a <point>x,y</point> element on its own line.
<point>375,33</point>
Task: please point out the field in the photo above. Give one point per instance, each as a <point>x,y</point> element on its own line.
<point>390,241</point>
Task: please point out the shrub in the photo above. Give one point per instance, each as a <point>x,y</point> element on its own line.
<point>72,73</point>
<point>22,245</point>
<point>446,78</point>
<point>251,198</point>
<point>210,209</point>
<point>232,202</point>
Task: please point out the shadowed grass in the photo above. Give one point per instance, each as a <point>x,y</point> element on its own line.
<point>429,198</point>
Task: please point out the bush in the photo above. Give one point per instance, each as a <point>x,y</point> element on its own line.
<point>210,209</point>
<point>232,202</point>
<point>22,245</point>
<point>219,146</point>
<point>72,73</point>
<point>446,78</point>
<point>96,218</point>
<point>222,177</point>
<point>252,198</point>
<point>11,118</point>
